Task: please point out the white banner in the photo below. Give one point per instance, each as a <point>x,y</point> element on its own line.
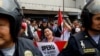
<point>51,48</point>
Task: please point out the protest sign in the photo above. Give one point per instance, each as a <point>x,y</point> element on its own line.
<point>50,48</point>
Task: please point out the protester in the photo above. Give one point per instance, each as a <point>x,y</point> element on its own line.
<point>49,37</point>
<point>37,35</point>
<point>28,31</point>
<point>87,42</point>
<point>23,29</point>
<point>42,27</point>
<point>76,27</point>
<point>10,24</point>
<point>66,32</point>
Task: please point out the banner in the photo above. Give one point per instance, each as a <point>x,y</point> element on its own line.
<point>50,48</point>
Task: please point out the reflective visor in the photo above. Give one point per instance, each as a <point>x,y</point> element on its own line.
<point>8,5</point>
<point>94,7</point>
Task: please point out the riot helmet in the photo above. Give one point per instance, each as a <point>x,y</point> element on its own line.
<point>13,12</point>
<point>89,10</point>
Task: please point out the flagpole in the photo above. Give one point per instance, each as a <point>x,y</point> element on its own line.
<point>63,9</point>
<point>63,19</point>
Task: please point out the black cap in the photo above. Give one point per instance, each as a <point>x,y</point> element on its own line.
<point>45,20</point>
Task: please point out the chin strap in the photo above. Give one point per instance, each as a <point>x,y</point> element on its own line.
<point>16,53</point>
<point>1,53</point>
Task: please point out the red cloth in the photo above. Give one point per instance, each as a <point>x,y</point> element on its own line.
<point>60,19</point>
<point>61,45</point>
<point>39,33</point>
<point>23,25</point>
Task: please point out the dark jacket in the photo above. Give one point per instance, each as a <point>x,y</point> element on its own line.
<point>24,46</point>
<point>58,32</point>
<point>81,44</point>
<point>30,34</point>
<point>42,31</point>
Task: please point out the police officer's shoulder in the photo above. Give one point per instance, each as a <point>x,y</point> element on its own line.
<point>25,41</point>
<point>28,44</point>
<point>79,35</point>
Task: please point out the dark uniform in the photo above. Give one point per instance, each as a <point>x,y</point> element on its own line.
<point>25,47</point>
<point>81,44</point>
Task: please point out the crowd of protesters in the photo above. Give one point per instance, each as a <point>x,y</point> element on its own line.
<point>35,30</point>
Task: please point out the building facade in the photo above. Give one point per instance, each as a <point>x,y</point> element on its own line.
<point>38,9</point>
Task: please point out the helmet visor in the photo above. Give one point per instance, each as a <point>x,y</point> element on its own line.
<point>7,5</point>
<point>94,7</point>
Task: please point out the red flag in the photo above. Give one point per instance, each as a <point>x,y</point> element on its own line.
<point>60,19</point>
<point>61,44</point>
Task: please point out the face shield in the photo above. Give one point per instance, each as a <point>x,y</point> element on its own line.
<point>94,6</point>
<point>8,5</point>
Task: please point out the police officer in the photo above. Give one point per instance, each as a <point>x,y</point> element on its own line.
<point>87,42</point>
<point>10,23</point>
